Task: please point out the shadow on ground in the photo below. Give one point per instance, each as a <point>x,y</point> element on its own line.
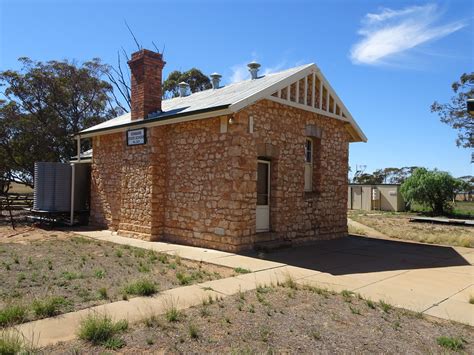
<point>356,254</point>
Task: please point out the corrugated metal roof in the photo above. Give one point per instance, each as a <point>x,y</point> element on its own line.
<point>230,99</point>
<point>207,99</point>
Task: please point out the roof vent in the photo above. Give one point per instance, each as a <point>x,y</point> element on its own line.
<point>183,89</point>
<point>215,80</point>
<point>253,69</point>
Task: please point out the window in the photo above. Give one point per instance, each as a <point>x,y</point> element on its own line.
<point>308,165</point>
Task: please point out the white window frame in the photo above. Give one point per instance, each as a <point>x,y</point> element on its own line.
<point>308,165</point>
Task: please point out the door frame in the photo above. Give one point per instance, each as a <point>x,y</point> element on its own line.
<point>267,229</point>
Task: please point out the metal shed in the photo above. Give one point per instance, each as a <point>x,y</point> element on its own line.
<point>382,197</point>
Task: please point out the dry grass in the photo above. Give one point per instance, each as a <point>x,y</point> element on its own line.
<point>284,319</point>
<point>45,273</point>
<point>356,230</point>
<point>397,225</point>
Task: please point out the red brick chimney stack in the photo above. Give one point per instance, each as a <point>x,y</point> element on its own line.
<point>147,68</point>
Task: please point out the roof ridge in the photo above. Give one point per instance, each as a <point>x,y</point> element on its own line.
<point>299,67</point>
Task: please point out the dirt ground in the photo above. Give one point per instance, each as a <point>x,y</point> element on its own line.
<point>277,319</point>
<point>398,225</point>
<point>37,263</point>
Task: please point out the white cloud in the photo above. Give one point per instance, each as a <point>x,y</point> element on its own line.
<point>239,73</point>
<point>391,32</point>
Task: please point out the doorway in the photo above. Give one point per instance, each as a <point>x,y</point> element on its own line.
<point>263,196</point>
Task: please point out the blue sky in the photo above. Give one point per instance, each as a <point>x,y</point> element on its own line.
<point>387,60</point>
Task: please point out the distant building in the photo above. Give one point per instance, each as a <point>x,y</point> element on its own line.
<point>382,197</point>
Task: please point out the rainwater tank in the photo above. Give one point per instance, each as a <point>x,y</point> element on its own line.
<point>52,192</point>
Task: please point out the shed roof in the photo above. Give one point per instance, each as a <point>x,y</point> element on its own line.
<point>227,100</point>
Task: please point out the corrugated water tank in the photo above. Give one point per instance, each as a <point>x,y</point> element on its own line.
<point>52,192</point>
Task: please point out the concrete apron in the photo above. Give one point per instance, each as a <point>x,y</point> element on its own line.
<point>438,292</point>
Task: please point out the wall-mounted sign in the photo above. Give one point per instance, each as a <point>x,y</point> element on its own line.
<point>136,136</point>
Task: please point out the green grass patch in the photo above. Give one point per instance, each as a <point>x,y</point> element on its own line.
<point>451,343</point>
<point>172,314</point>
<point>142,287</point>
<point>386,307</point>
<point>370,304</point>
<point>48,307</point>
<point>193,331</point>
<point>99,274</point>
<point>103,293</point>
<point>101,330</point>
<point>11,342</point>
<point>12,314</point>
<point>186,279</point>
<point>70,275</point>
<point>240,270</point>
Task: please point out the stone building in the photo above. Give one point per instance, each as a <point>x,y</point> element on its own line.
<point>255,162</point>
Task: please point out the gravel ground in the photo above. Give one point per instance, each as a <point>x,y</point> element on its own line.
<point>281,319</point>
<point>38,264</point>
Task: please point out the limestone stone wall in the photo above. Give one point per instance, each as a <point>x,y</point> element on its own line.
<point>193,184</point>
<point>295,214</point>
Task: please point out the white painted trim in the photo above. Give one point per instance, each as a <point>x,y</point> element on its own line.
<point>297,96</point>
<point>73,185</point>
<point>313,88</point>
<point>78,149</point>
<point>344,109</point>
<point>237,106</point>
<point>306,90</point>
<point>320,93</point>
<point>307,108</point>
<point>327,99</point>
<point>124,128</point>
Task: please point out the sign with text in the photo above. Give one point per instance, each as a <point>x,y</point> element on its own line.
<point>136,136</point>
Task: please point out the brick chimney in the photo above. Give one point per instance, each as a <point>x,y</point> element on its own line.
<point>146,67</point>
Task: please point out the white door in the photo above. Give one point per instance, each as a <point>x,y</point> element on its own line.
<point>263,196</point>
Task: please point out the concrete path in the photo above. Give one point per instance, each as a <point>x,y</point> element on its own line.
<point>434,280</point>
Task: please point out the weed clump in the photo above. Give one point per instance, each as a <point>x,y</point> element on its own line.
<point>451,343</point>
<point>12,314</point>
<point>101,330</point>
<point>48,307</point>
<point>142,287</point>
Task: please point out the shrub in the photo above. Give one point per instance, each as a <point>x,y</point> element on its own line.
<point>431,188</point>
<point>100,329</point>
<point>12,314</point>
<point>451,343</point>
<point>142,287</point>
<point>48,307</point>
